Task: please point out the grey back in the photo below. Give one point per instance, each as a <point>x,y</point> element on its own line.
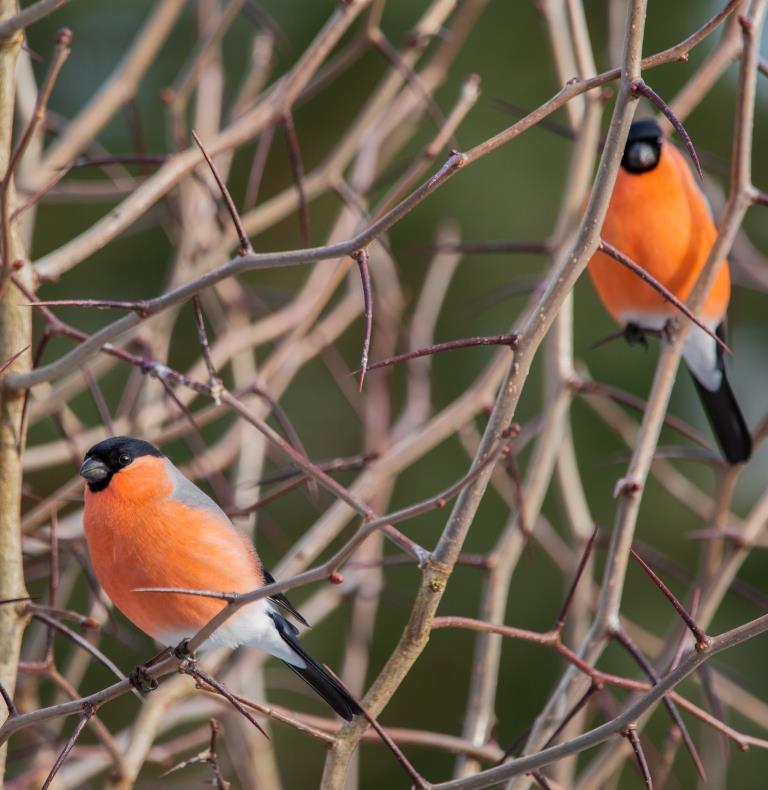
<point>186,491</point>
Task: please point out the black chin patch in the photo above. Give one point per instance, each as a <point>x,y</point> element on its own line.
<point>643,149</point>
<point>641,156</point>
<point>100,485</point>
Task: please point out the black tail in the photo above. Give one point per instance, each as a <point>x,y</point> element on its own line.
<point>319,679</point>
<point>726,420</point>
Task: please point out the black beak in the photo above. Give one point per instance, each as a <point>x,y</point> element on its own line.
<point>94,470</point>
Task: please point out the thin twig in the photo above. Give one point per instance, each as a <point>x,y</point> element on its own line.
<point>450,345</point>
<point>51,622</point>
<point>626,642</point>
<point>297,168</point>
<point>8,702</point>
<point>560,622</point>
<point>53,586</point>
<point>88,711</point>
<point>214,381</point>
<point>190,668</point>
<point>702,640</point>
<point>257,167</point>
<point>208,756</point>
<point>630,733</point>
<point>415,776</point>
<point>245,248</point>
<point>8,362</point>
<point>99,401</point>
<point>361,258</point>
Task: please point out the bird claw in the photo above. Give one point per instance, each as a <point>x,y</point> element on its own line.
<point>183,653</point>
<point>141,680</point>
<point>635,335</point>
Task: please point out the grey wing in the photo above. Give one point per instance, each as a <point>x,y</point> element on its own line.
<point>186,491</point>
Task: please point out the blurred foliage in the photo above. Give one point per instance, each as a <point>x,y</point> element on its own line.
<point>512,194</point>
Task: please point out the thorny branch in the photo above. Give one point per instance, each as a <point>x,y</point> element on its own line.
<point>251,346</point>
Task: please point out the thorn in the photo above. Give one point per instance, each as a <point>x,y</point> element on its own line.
<point>702,640</point>
<point>560,622</point>
<point>639,86</point>
<point>245,247</point>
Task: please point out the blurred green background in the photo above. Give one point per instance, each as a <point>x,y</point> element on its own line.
<point>512,194</point>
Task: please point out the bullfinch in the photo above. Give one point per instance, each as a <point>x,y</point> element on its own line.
<point>660,218</point>
<point>147,525</point>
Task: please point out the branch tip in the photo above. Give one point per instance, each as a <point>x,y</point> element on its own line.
<point>245,246</point>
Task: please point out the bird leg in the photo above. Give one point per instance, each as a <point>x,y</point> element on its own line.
<point>140,678</point>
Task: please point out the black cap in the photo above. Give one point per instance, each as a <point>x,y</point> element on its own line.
<point>110,456</point>
<point>644,129</point>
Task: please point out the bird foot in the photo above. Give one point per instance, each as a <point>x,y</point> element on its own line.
<point>668,331</point>
<point>141,680</point>
<point>635,335</point>
<point>185,656</point>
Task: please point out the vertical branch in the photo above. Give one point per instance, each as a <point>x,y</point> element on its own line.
<point>630,733</point>
<point>361,258</point>
<point>15,334</point>
<point>630,487</point>
<point>547,720</point>
<point>570,50</point>
<point>61,53</point>
<point>534,328</point>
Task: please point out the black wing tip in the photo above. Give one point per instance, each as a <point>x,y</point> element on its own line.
<point>282,601</point>
<point>325,684</point>
<point>738,453</point>
<point>727,421</point>
<point>329,688</point>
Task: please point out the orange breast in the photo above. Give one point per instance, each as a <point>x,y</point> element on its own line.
<point>659,219</point>
<point>138,536</point>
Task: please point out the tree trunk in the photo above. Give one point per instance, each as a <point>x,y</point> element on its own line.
<point>15,335</point>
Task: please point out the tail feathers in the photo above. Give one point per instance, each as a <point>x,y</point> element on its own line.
<point>315,676</point>
<point>726,420</point>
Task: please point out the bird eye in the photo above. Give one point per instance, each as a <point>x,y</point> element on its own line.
<point>124,459</point>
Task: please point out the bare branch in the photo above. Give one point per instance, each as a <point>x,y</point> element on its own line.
<point>510,340</point>
<point>630,733</point>
<point>702,640</point>
<point>246,248</point>
<point>361,258</point>
<point>30,15</point>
